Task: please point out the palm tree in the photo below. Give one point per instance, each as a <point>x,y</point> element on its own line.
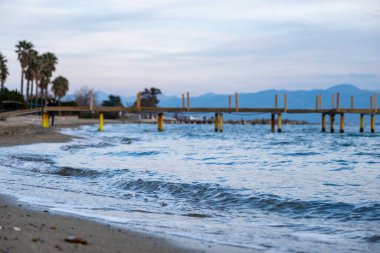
<point>30,73</point>
<point>49,60</point>
<point>22,49</point>
<point>60,87</point>
<point>3,70</point>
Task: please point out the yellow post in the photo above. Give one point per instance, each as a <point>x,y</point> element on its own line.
<point>220,122</point>
<point>216,122</point>
<point>160,122</point>
<point>342,122</point>
<point>236,101</point>
<point>279,123</point>
<point>320,102</point>
<point>323,122</point>
<point>45,120</point>
<point>332,121</point>
<point>361,123</point>
<point>138,101</point>
<point>372,123</point>
<point>370,102</point>
<point>101,121</point>
<point>272,123</point>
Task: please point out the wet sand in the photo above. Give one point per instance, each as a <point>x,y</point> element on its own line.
<point>23,229</point>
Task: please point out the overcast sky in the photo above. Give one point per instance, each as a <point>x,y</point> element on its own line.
<point>200,46</point>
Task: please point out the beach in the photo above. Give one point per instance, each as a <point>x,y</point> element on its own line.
<point>27,228</point>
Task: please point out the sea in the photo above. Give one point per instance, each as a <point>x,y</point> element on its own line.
<point>296,191</point>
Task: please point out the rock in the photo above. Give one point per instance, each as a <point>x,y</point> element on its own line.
<point>74,239</point>
<point>16,229</point>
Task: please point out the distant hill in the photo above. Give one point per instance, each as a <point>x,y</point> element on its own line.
<point>265,99</point>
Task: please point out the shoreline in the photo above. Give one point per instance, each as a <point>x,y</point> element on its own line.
<point>26,227</point>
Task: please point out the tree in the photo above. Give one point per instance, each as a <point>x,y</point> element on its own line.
<point>60,87</point>
<point>3,70</point>
<point>23,49</point>
<point>83,96</point>
<point>30,72</point>
<point>149,97</point>
<point>49,60</point>
<point>114,101</point>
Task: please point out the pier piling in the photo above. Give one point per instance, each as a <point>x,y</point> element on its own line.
<point>101,121</point>
<point>342,122</point>
<point>216,122</point>
<point>221,122</point>
<point>361,123</point>
<point>332,121</point>
<point>160,122</point>
<point>279,123</point>
<point>372,123</point>
<point>273,123</point>
<point>323,122</point>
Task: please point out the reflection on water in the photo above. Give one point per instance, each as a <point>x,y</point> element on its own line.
<point>296,191</point>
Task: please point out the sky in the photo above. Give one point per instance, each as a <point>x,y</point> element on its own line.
<point>199,46</point>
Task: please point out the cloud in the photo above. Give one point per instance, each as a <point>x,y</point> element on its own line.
<point>199,45</point>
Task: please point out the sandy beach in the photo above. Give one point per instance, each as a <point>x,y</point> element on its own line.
<point>26,228</point>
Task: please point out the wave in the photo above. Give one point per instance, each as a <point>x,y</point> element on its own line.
<point>85,146</point>
<point>214,196</point>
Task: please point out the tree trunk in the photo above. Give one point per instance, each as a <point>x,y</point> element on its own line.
<point>31,93</point>
<point>37,83</point>
<point>27,91</point>
<point>22,82</point>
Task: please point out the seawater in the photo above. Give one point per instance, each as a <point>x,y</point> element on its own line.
<point>298,191</point>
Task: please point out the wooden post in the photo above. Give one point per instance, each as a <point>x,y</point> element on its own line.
<point>236,101</point>
<point>332,121</point>
<point>332,101</point>
<point>138,101</point>
<point>375,103</point>
<point>272,123</point>
<point>160,122</point>
<point>285,98</point>
<point>279,123</point>
<point>342,122</point>
<point>101,121</point>
<point>216,122</point>
<point>370,102</point>
<point>221,122</point>
<point>352,102</point>
<point>361,123</point>
<point>276,101</point>
<point>316,102</point>
<point>188,101</point>
<point>372,123</point>
<point>320,102</point>
<point>323,122</point>
<point>338,101</point>
<point>229,102</point>
<point>183,101</point>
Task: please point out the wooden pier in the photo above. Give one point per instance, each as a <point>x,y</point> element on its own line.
<point>335,110</point>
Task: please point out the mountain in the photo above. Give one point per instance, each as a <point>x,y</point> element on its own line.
<point>304,99</point>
